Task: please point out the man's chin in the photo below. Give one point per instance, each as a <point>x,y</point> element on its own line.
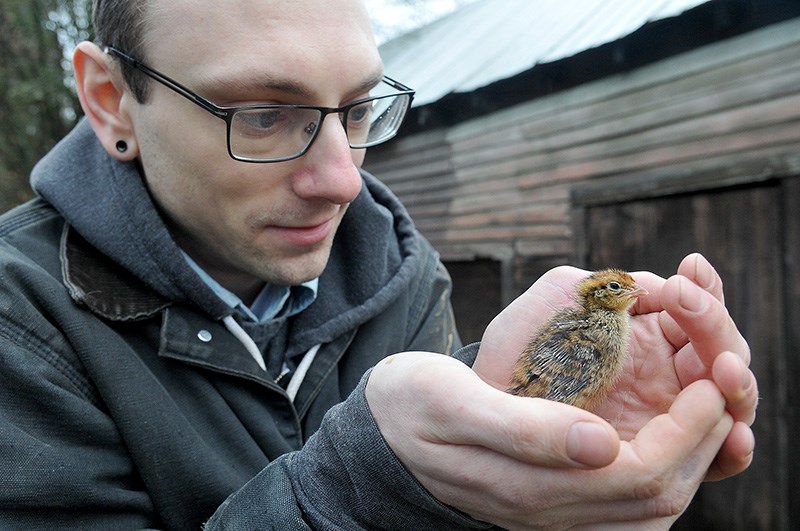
<point>298,270</point>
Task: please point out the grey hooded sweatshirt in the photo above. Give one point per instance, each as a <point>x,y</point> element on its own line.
<point>129,398</point>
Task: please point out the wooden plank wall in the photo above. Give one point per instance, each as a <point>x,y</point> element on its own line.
<point>502,186</point>
<point>749,252</point>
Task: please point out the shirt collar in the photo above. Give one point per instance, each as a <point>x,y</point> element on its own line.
<point>270,301</point>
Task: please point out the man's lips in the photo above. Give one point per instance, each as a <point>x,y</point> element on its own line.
<point>305,235</point>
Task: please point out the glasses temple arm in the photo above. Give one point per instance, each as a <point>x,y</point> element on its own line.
<point>165,80</point>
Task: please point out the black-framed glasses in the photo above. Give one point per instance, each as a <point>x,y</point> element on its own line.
<point>275,133</point>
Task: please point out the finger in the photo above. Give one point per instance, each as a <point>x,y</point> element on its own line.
<point>735,455</point>
<point>535,431</point>
<point>664,466</point>
<point>673,495</point>
<point>704,319</point>
<point>672,331</point>
<point>652,301</point>
<point>696,268</point>
<point>656,476</point>
<point>552,292</point>
<point>665,444</point>
<point>738,385</point>
<point>695,412</point>
<point>689,367</point>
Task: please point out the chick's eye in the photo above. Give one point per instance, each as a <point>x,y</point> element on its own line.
<point>614,286</point>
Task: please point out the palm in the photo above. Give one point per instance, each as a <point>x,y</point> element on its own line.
<point>649,383</point>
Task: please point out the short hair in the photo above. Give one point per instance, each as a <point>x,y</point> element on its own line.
<point>122,24</point>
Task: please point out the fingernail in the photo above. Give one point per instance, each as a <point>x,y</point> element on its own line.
<point>589,443</point>
<point>752,443</point>
<point>704,272</point>
<point>747,381</point>
<point>692,298</point>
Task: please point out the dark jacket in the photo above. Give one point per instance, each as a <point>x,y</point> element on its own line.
<point>126,403</point>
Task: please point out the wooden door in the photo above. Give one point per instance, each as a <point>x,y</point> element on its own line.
<point>752,236</point>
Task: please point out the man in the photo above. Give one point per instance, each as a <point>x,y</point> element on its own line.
<point>191,310</point>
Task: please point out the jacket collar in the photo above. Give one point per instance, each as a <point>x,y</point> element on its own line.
<point>95,281</point>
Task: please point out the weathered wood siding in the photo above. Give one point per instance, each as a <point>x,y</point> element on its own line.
<point>500,186</point>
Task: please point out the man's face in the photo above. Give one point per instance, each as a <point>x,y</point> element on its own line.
<point>247,223</point>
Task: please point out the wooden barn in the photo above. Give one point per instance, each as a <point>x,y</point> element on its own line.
<point>629,134</point>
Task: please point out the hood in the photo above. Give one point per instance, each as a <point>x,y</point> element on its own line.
<point>106,202</point>
<point>373,258</point>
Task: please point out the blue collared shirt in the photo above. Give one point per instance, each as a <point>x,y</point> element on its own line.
<point>269,302</point>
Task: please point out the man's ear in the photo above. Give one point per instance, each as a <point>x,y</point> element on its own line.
<point>101,91</point>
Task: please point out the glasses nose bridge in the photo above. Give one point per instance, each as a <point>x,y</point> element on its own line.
<point>341,112</point>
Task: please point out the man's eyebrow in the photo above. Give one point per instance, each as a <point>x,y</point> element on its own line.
<point>218,86</point>
<point>372,81</point>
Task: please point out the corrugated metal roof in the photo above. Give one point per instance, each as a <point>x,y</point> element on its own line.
<point>490,40</point>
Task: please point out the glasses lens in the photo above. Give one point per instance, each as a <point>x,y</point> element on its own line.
<point>273,133</point>
<point>280,133</point>
<point>377,120</point>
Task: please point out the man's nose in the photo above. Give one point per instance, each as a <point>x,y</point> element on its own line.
<point>331,167</point>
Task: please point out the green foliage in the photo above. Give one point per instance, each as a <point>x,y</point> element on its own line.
<point>38,104</point>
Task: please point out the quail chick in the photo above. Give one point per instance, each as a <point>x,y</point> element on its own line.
<point>578,355</point>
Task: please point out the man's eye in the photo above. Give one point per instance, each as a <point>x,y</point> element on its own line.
<point>359,115</point>
<point>262,121</point>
